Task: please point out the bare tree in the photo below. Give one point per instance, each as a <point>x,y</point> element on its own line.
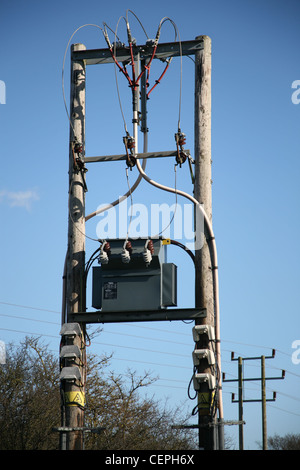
<point>287,442</point>
<point>30,405</point>
<point>131,422</point>
<point>29,393</point>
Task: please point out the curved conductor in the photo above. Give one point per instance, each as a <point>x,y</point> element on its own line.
<point>118,201</point>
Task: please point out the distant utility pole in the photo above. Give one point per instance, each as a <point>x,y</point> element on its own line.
<point>74,390</point>
<point>263,400</point>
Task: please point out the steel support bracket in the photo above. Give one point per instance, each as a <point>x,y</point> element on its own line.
<point>151,315</point>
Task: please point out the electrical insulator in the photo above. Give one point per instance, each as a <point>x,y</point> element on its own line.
<point>150,42</point>
<point>129,142</point>
<point>118,44</point>
<point>148,252</point>
<point>103,257</point>
<point>181,158</point>
<point>180,141</point>
<point>78,148</point>
<point>125,256</point>
<point>107,39</point>
<point>128,32</point>
<point>128,247</point>
<point>180,138</point>
<point>147,256</point>
<point>150,246</point>
<point>129,145</point>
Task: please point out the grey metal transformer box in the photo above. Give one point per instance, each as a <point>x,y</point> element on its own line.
<point>136,285</point>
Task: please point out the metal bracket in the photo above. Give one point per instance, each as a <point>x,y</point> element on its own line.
<point>205,425</point>
<point>163,51</point>
<point>151,315</point>
<point>97,430</point>
<point>110,158</point>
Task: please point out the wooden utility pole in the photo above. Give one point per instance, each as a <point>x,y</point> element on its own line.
<point>264,404</point>
<point>75,294</point>
<point>263,400</point>
<point>204,293</point>
<point>241,417</point>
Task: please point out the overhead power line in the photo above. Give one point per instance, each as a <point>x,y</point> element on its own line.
<point>42,309</point>
<point>29,307</point>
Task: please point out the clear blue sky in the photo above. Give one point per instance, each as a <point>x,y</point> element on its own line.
<point>256,171</point>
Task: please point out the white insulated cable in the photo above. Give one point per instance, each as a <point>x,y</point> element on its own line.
<point>122,198</point>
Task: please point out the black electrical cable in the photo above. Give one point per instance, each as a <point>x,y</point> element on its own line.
<point>189,252</point>
<point>189,386</point>
<point>91,260</point>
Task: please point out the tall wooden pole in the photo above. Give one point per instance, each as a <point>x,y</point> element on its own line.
<point>263,403</point>
<point>75,293</point>
<point>204,293</point>
<point>241,417</point>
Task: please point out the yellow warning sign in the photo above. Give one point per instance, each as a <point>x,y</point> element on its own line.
<point>75,398</point>
<point>205,401</point>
